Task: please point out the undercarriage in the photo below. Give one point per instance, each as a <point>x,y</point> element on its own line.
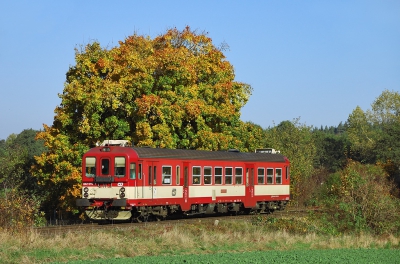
<point>161,212</point>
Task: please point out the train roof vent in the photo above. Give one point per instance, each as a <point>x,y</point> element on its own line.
<point>122,143</point>
<point>267,150</point>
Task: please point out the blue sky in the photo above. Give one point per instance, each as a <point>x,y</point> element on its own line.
<point>313,60</point>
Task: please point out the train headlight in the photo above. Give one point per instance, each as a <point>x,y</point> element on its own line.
<point>86,195</point>
<point>86,189</point>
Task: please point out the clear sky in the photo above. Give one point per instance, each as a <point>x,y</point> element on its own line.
<point>313,60</point>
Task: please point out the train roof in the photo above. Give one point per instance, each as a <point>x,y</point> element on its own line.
<point>184,154</point>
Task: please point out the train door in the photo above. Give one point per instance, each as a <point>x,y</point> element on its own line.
<point>185,205</point>
<point>152,179</point>
<point>105,166</point>
<point>249,200</point>
<point>139,186</point>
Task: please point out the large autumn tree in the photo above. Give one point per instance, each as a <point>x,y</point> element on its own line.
<point>174,91</point>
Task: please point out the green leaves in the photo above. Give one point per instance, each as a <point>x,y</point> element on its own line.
<point>171,87</point>
<point>12,162</point>
<point>373,133</point>
<point>364,199</point>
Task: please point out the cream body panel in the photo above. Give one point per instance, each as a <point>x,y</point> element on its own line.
<point>217,191</point>
<point>271,190</point>
<point>160,192</point>
<point>144,192</point>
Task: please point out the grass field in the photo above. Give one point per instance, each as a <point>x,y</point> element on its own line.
<point>202,242</point>
<point>289,256</point>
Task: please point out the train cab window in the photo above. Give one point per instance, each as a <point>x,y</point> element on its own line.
<point>261,175</point>
<point>132,171</point>
<point>228,175</point>
<point>196,175</point>
<point>178,175</point>
<point>119,166</point>
<point>218,175</point>
<point>90,166</point>
<point>105,167</point>
<point>238,175</point>
<point>278,176</point>
<point>207,175</point>
<point>270,176</point>
<point>166,175</point>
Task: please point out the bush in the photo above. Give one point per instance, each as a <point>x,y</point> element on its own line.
<point>360,198</point>
<point>18,211</point>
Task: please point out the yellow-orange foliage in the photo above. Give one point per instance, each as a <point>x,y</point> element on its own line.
<point>176,91</point>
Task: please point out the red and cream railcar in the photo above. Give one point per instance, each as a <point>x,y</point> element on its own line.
<point>123,183</point>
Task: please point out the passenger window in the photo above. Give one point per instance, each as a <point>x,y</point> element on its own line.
<point>119,166</point>
<point>278,179</point>
<point>90,166</point>
<point>132,171</point>
<point>105,167</point>
<point>228,175</point>
<point>270,176</point>
<point>166,175</point>
<point>207,175</point>
<point>238,175</point>
<point>196,175</point>
<point>261,175</point>
<point>218,175</point>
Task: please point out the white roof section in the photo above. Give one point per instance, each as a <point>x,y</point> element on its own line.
<point>268,150</point>
<point>114,142</point>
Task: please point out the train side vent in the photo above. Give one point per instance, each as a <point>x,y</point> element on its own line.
<point>267,150</point>
<point>110,142</point>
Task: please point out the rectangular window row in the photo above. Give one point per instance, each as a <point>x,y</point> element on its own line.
<point>267,176</point>
<point>200,175</point>
<point>206,176</point>
<point>119,167</point>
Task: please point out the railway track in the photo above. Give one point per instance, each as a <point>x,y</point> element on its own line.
<point>89,227</point>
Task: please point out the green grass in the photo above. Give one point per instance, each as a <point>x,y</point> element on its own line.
<point>290,256</point>
<point>193,242</point>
